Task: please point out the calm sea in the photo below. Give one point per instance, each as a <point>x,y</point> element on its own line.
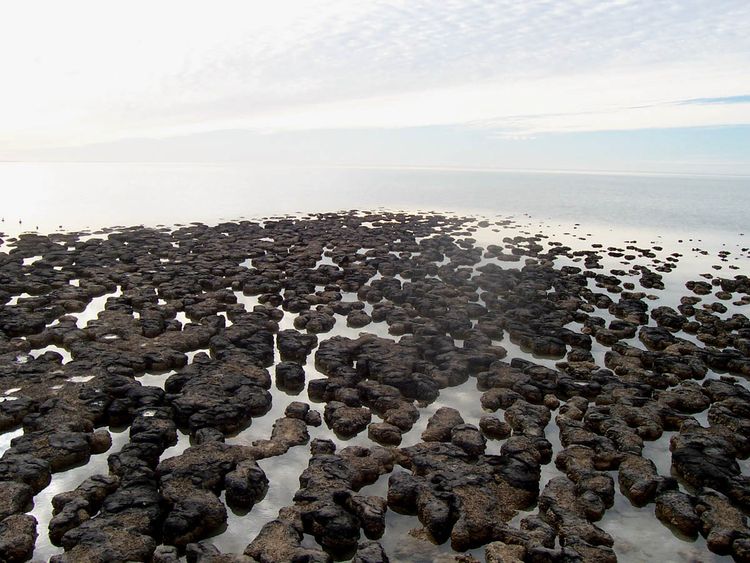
<point>92,195</point>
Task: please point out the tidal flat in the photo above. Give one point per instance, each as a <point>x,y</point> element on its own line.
<point>372,386</point>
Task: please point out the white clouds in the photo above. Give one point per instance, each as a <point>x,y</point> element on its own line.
<point>79,72</point>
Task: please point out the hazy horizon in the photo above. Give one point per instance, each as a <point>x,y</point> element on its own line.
<point>395,167</point>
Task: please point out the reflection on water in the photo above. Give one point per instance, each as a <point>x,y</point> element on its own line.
<point>6,438</point>
<point>640,536</point>
<point>66,357</point>
<point>283,481</point>
<point>464,398</point>
<point>67,481</point>
<point>658,452</point>
<point>95,306</point>
<point>155,379</point>
<point>183,443</point>
<point>404,540</point>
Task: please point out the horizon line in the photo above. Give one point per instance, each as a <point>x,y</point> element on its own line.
<point>416,168</point>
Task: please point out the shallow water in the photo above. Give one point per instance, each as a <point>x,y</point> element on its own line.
<point>669,211</point>
<point>640,536</point>
<point>67,481</point>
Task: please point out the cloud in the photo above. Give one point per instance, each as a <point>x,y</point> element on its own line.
<point>82,71</point>
<point>726,100</point>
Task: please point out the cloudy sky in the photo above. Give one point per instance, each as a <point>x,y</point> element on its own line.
<point>578,84</point>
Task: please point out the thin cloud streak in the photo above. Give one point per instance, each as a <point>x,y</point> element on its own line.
<point>629,100</point>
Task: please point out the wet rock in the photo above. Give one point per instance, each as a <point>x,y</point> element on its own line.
<point>704,457</point>
<point>687,397</point>
<point>435,514</point>
<point>551,402</point>
<point>630,309</point>
<point>469,439</point>
<point>527,419</point>
<point>113,543</point>
<point>370,552</point>
<point>346,421</point>
<point>290,377</point>
<point>13,412</point>
<point>588,552</point>
<point>494,428</point>
<point>546,554</point>
<point>208,434</point>
<point>165,554</point>
<point>295,346</point>
<point>223,395</point>
<point>134,503</point>
<point>369,509</point>
<point>17,536</point>
<point>396,365</point>
<point>677,509</point>
<point>190,483</point>
<point>100,441</point>
<point>377,396</point>
<point>440,425</point>
<point>245,485</point>
<point>579,355</point>
<point>313,418</point>
<point>403,488</point>
<point>499,552</point>
<point>194,516</point>
<point>196,552</point>
<point>93,490</point>
<point>559,506</point>
<point>656,338</point>
<point>732,413</point>
<point>204,552</point>
<point>60,449</point>
<point>639,480</point>
<point>290,432</point>
<point>384,433</point>
<point>320,447</point>
<point>403,416</point>
<point>72,515</point>
<point>71,509</point>
<point>455,497</point>
<point>280,540</point>
<point>427,291</point>
<point>25,468</point>
<point>302,411</point>
<point>14,498</point>
<point>315,322</point>
<point>721,523</point>
<point>358,319</point>
<point>668,317</point>
<point>154,426</point>
<point>499,398</point>
<point>536,532</point>
<point>328,508</point>
<point>699,287</point>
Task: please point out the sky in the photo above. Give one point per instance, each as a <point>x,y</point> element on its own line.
<point>630,85</point>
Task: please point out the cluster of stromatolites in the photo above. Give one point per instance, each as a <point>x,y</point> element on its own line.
<point>450,302</point>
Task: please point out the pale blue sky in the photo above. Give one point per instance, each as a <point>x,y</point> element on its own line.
<point>627,85</point>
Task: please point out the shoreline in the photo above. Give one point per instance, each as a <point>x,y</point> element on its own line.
<point>578,359</point>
